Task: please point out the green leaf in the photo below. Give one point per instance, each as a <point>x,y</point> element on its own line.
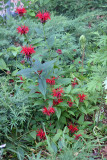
<point>14,73</point>
<point>71,113</point>
<point>20,153</point>
<point>58,112</point>
<point>42,85</point>
<point>33,134</point>
<point>57,136</point>
<point>2,64</point>
<point>81,119</point>
<point>25,72</point>
<point>54,147</point>
<point>68,89</point>
<point>63,119</point>
<point>50,41</point>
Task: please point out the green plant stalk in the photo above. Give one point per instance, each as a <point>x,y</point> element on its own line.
<point>46,40</point>
<point>83,55</point>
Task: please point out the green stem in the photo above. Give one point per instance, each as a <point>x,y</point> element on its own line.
<point>46,41</point>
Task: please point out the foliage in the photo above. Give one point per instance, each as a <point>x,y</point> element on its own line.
<point>56,94</point>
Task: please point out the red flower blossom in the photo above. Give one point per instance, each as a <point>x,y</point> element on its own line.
<point>20,11</point>
<point>74,50</point>
<point>39,72</point>
<point>57,101</point>
<point>77,136</point>
<point>22,62</point>
<point>51,110</point>
<point>21,78</point>
<point>38,92</point>
<point>57,92</point>
<point>23,29</point>
<point>74,83</point>
<point>48,111</point>
<point>81,97</point>
<point>79,62</point>
<point>43,16</point>
<point>59,51</point>
<point>51,81</point>
<point>8,72</point>
<point>72,128</point>
<point>11,80</point>
<point>41,134</point>
<point>27,51</point>
<point>70,103</point>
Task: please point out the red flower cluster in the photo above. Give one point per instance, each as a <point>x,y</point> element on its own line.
<point>81,97</point>
<point>77,136</point>
<point>70,103</point>
<point>59,51</point>
<point>51,81</point>
<point>27,51</point>
<point>57,92</point>
<point>72,128</point>
<point>22,61</point>
<point>20,11</point>
<point>21,78</point>
<point>57,101</point>
<point>23,29</point>
<point>43,16</point>
<point>74,82</point>
<point>48,111</point>
<point>41,134</point>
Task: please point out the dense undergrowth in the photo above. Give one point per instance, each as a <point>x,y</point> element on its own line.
<point>52,101</point>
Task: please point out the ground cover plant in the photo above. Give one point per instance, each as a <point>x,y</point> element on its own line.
<point>53,85</point>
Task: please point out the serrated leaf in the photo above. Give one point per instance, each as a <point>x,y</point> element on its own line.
<point>42,85</point>
<point>58,112</point>
<point>33,134</point>
<point>2,64</point>
<point>57,136</point>
<point>71,113</point>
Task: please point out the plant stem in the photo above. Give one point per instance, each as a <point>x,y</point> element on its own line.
<point>83,55</point>
<point>46,41</point>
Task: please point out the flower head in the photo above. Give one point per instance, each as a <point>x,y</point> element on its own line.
<point>43,16</point>
<point>20,11</point>
<point>77,136</point>
<point>48,111</point>
<point>22,61</point>
<point>27,51</point>
<point>74,83</point>
<point>59,51</point>
<point>72,128</point>
<point>51,81</point>
<point>57,92</point>
<point>57,101</point>
<point>41,134</point>
<point>81,97</point>
<point>70,103</point>
<point>23,29</point>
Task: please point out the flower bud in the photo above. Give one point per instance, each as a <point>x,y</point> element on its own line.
<point>82,41</point>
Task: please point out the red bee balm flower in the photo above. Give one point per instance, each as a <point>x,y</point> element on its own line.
<point>48,111</point>
<point>72,128</point>
<point>23,29</point>
<point>59,51</point>
<point>43,16</point>
<point>41,134</point>
<point>51,81</point>
<point>81,97</point>
<point>20,11</point>
<point>70,103</point>
<point>57,92</point>
<point>27,51</point>
<point>57,101</point>
<point>74,83</point>
<point>77,136</point>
